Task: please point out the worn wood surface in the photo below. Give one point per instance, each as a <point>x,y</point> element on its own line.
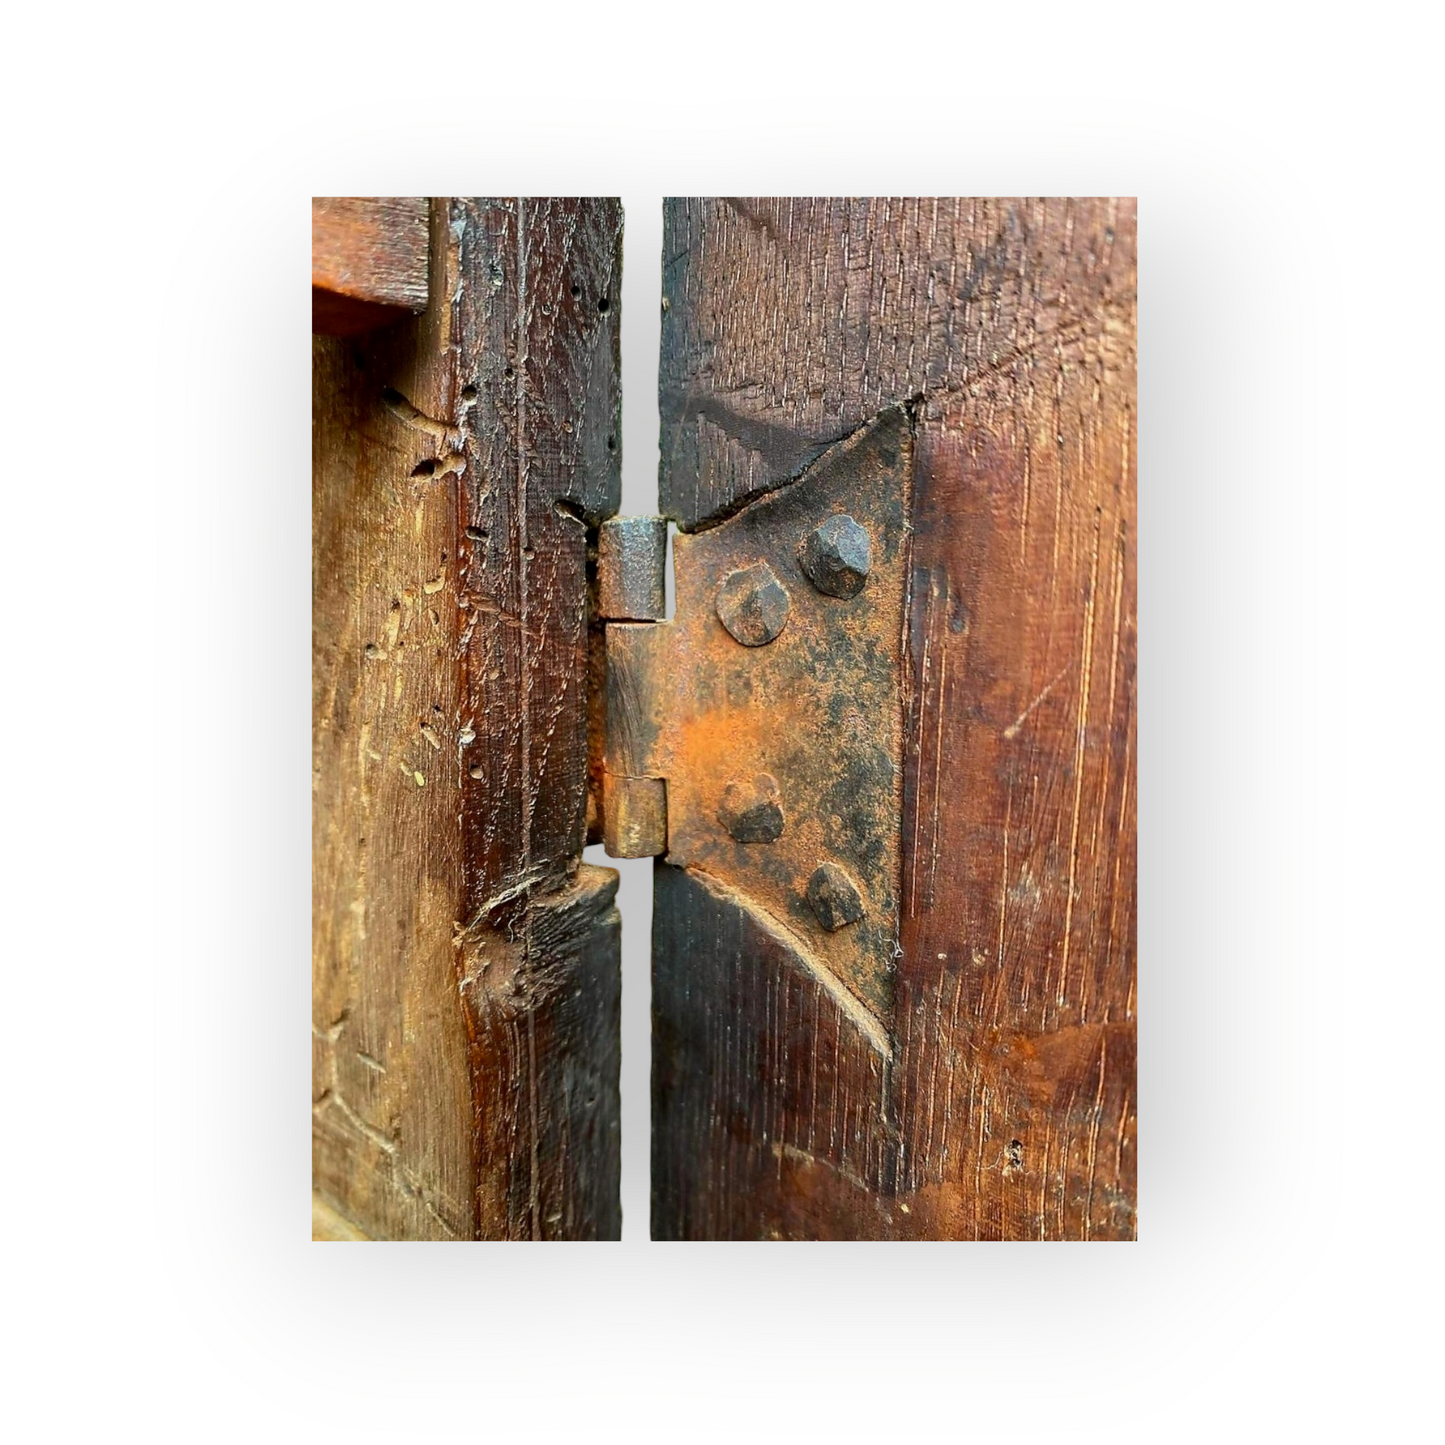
<point>1006,1107</point>
<point>465,975</point>
<point>369,259</point>
<point>329,1226</point>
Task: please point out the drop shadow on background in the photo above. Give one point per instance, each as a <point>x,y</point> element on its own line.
<point>1241,1063</point>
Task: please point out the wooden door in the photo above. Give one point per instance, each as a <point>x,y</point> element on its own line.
<point>466,967</point>
<point>978,1081</point>
<point>886,748</point>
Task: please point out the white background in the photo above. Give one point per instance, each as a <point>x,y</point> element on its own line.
<point>159,1282</point>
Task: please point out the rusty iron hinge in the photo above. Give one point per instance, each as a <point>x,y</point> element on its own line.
<point>756,738</point>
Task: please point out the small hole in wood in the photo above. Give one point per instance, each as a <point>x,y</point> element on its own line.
<point>576,290</point>
<point>603,304</point>
<point>509,373</point>
<point>424,469</point>
<point>611,444</point>
<point>469,393</point>
<point>476,534</point>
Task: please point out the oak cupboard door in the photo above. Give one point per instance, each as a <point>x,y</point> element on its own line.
<point>465,965</point>
<point>884,751</point>
<point>969,1071</point>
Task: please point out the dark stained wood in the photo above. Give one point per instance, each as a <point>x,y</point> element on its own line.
<point>770,1113</point>
<point>466,977</point>
<point>368,261</point>
<point>1007,1109</point>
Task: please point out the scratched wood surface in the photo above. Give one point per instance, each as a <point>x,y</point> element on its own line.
<point>466,967</point>
<point>1005,1106</point>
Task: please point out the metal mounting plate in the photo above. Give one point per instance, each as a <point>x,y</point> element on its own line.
<point>769,700</point>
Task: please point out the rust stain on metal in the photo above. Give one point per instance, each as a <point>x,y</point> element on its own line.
<point>817,712</point>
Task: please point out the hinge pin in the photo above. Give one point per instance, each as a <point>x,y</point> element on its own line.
<point>753,605</point>
<point>751,812</point>
<point>833,897</point>
<point>836,556</point>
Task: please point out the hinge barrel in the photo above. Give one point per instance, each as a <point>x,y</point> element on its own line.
<point>631,557</point>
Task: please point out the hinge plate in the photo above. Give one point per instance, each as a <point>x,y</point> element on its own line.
<point>769,712</point>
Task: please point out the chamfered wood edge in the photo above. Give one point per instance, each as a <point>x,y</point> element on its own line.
<point>369,261</point>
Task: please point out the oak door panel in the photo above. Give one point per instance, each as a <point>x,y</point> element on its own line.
<point>1003,1105</point>
<point>465,969</point>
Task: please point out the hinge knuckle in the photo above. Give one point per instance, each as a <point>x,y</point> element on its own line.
<point>631,559</point>
<point>634,795</point>
<point>634,816</point>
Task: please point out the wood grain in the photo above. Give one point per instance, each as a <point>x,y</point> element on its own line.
<point>465,975</point>
<point>1007,329</point>
<point>771,1112</point>
<point>368,261</point>
<point>329,1227</point>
